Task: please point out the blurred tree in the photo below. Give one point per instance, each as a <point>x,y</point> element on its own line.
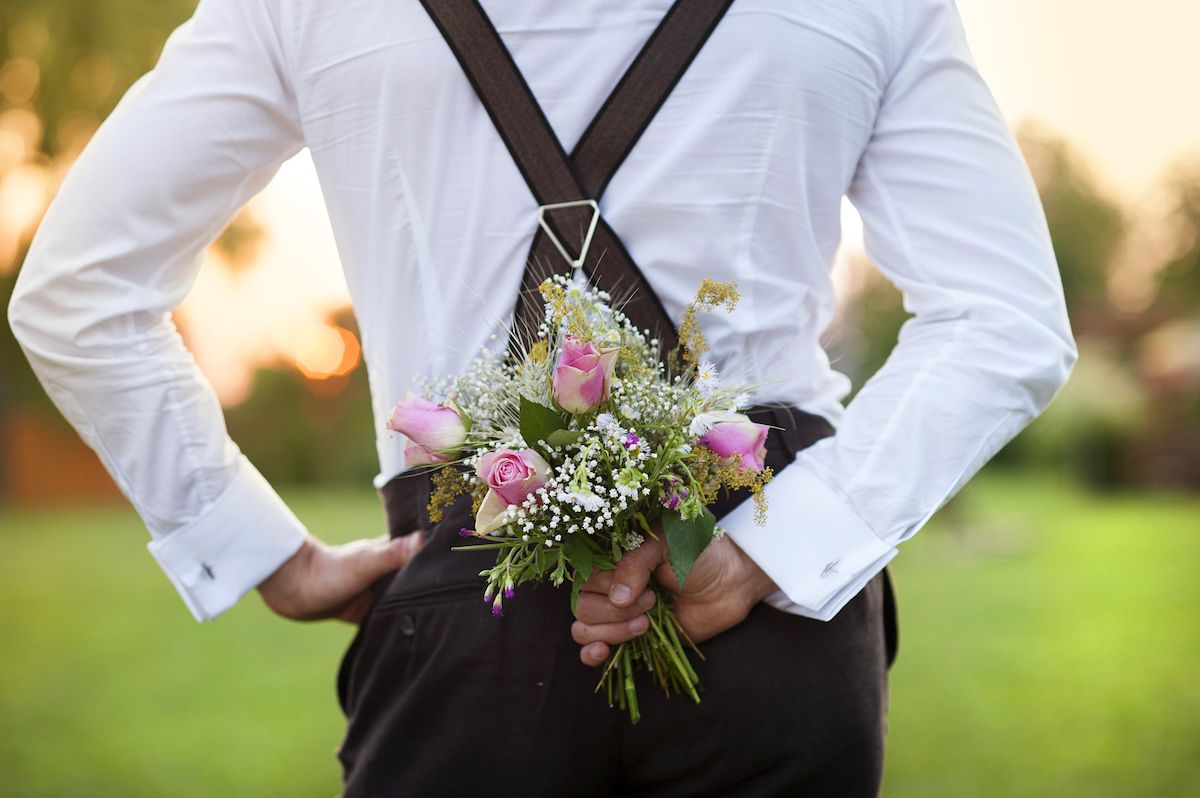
<point>300,431</point>
<point>71,60</point>
<point>18,384</point>
<point>1179,279</point>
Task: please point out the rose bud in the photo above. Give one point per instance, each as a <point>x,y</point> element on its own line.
<point>734,434</point>
<point>510,476</point>
<point>583,376</point>
<point>436,432</point>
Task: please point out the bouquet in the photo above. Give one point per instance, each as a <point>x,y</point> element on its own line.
<point>573,449</point>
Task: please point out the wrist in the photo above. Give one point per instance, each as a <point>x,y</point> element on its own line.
<point>289,567</point>
<point>756,584</point>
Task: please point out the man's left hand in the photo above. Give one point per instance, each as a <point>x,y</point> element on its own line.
<point>723,586</point>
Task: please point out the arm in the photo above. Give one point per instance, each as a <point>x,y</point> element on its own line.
<point>953,219</point>
<point>119,247</point>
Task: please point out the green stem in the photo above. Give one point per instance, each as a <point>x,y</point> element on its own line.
<point>630,688</point>
<point>678,657</point>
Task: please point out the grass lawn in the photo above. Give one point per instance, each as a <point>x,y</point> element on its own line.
<point>1050,646</point>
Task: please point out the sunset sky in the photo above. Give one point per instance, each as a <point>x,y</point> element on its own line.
<point>1115,78</point>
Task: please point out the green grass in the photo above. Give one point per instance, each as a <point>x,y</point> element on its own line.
<point>1050,646</point>
<point>1050,649</point>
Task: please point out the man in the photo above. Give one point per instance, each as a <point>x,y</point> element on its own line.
<point>786,109</point>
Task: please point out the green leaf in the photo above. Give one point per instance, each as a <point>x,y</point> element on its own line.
<point>579,555</point>
<point>538,423</point>
<point>562,437</point>
<point>686,539</point>
<point>576,589</point>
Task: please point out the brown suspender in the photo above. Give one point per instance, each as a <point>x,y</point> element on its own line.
<point>555,177</point>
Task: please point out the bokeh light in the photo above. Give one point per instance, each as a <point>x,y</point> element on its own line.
<point>324,351</point>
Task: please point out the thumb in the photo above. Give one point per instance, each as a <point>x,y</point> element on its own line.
<point>379,556</point>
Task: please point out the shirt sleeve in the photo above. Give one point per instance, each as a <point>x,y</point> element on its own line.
<point>952,217</point>
<point>120,245</point>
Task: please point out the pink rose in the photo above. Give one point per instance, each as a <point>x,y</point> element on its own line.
<point>510,477</point>
<point>735,434</point>
<point>435,431</point>
<point>583,376</point>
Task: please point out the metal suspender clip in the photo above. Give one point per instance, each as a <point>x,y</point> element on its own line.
<point>587,239</point>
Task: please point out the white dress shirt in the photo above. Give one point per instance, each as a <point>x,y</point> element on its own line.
<point>788,108</point>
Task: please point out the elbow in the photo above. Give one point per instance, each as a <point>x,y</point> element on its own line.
<point>20,315</point>
<point>1037,327</point>
<point>1066,347</point>
<point>1069,357</point>
<point>25,318</point>
<point>1051,364</point>
<point>37,316</point>
<point>1026,351</point>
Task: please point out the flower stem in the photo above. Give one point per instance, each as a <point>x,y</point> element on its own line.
<point>661,652</point>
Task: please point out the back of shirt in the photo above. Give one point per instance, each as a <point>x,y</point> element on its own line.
<point>740,176</point>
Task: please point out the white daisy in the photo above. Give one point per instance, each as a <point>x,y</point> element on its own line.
<point>606,421</point>
<point>708,379</point>
<point>701,424</point>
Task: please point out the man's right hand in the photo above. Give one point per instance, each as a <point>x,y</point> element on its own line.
<point>323,581</point>
<point>723,586</point>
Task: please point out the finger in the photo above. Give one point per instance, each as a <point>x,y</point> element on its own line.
<point>584,633</point>
<point>600,582</point>
<point>594,654</point>
<point>596,608</point>
<point>633,572</point>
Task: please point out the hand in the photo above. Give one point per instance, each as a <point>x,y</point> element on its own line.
<point>323,581</point>
<point>720,591</point>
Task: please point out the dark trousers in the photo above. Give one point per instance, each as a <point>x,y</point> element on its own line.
<point>442,699</point>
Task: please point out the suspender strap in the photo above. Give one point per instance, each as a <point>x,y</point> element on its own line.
<point>551,174</point>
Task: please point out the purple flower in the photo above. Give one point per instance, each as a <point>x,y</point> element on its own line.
<point>465,533</point>
<point>631,440</point>
<point>497,611</point>
<point>509,592</point>
<point>672,497</point>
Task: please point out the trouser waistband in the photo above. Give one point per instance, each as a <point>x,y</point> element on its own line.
<point>406,496</point>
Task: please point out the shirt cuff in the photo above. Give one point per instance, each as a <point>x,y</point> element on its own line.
<point>240,540</point>
<point>814,546</point>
